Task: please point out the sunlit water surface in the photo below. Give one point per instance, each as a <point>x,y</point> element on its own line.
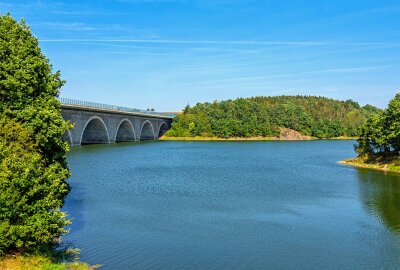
<point>231,205</point>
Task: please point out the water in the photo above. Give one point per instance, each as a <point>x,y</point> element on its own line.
<point>231,205</point>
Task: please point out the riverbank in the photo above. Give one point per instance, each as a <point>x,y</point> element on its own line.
<point>19,262</point>
<point>285,134</point>
<point>165,138</point>
<point>344,138</point>
<point>45,259</point>
<point>380,163</point>
<point>36,262</point>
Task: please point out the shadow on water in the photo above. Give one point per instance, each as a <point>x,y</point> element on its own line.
<point>74,209</point>
<point>380,194</point>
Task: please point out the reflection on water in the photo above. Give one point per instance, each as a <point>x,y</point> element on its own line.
<point>381,196</point>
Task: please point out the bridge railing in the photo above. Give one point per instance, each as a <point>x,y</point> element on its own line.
<point>82,103</point>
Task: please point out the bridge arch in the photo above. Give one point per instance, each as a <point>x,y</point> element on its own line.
<point>162,129</point>
<point>125,131</point>
<point>147,131</point>
<point>95,131</point>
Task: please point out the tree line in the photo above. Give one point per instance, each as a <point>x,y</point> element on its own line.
<point>262,116</point>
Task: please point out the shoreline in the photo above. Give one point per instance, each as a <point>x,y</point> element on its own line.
<point>218,139</point>
<point>164,138</point>
<point>343,138</point>
<point>373,165</point>
<point>17,261</point>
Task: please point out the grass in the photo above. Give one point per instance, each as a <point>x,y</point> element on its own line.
<point>387,163</point>
<point>344,138</point>
<point>37,262</point>
<point>45,258</point>
<point>199,138</point>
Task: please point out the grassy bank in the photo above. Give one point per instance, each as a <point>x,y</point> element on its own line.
<point>198,138</point>
<point>344,138</point>
<point>37,262</point>
<point>382,163</point>
<point>45,259</point>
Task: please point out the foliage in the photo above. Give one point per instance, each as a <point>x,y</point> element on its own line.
<point>33,166</point>
<point>381,134</point>
<point>262,116</point>
<point>238,118</point>
<point>32,192</point>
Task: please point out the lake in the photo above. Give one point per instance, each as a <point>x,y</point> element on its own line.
<point>231,205</point>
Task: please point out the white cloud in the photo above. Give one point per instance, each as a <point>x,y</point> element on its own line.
<point>228,42</point>
<point>78,26</point>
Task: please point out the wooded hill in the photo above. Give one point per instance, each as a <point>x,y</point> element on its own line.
<point>319,117</point>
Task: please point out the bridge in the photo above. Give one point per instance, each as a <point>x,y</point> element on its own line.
<point>102,123</point>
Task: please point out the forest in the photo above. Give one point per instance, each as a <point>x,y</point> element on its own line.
<point>262,116</point>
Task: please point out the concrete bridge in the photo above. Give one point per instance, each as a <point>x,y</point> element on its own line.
<point>102,123</point>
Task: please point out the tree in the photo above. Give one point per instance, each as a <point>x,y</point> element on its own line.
<point>381,133</point>
<point>393,123</point>
<point>32,192</point>
<point>33,167</point>
<point>292,116</point>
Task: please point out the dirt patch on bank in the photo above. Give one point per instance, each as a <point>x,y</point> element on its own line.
<point>287,134</point>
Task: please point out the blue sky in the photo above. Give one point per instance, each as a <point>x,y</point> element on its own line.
<point>166,53</point>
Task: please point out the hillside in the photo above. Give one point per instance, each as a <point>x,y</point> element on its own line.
<point>264,116</point>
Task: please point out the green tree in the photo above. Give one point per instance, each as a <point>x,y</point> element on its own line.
<point>292,116</point>
<point>32,192</point>
<point>393,123</point>
<point>381,133</point>
<point>33,166</point>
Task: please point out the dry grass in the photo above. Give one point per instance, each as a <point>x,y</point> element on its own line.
<point>344,138</point>
<point>40,262</point>
<point>387,163</point>
<point>19,262</point>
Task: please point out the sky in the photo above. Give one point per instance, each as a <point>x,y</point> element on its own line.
<point>164,54</point>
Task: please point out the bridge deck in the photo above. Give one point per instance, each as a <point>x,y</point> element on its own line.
<point>67,103</point>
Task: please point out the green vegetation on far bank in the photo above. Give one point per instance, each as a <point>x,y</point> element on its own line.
<point>261,117</point>
<point>199,138</point>
<point>379,144</point>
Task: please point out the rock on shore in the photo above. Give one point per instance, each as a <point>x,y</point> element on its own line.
<point>287,134</point>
